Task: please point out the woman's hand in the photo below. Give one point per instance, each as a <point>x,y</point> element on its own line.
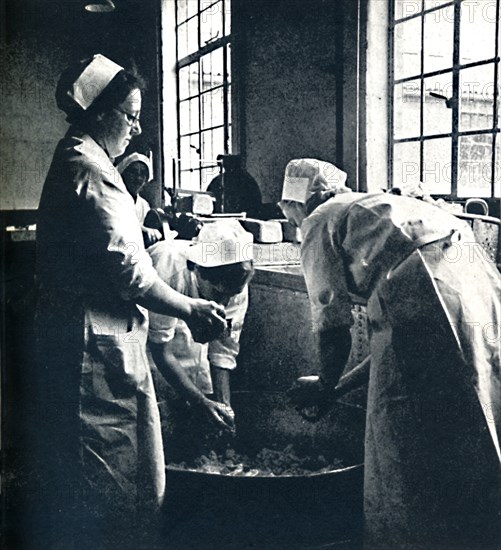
<point>151,236</point>
<point>206,321</point>
<point>312,398</point>
<point>219,414</point>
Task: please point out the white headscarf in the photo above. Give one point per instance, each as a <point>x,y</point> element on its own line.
<point>137,157</point>
<point>304,177</point>
<point>93,80</point>
<point>221,242</point>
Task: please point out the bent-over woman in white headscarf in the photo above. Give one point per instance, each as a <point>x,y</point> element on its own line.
<point>432,447</point>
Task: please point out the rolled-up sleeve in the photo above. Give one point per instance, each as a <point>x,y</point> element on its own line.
<point>223,352</point>
<point>162,328</point>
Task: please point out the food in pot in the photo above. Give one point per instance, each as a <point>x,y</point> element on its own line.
<point>267,462</point>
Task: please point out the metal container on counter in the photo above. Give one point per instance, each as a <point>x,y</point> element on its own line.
<point>319,510</point>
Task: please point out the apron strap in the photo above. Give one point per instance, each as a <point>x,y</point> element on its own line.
<point>434,237</point>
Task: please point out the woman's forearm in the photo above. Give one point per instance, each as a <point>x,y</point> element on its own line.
<point>175,375</point>
<point>221,384</point>
<point>163,299</point>
<point>335,347</point>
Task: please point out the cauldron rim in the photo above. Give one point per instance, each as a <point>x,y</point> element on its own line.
<point>329,473</point>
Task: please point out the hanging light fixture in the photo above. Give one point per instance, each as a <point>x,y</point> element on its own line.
<point>103,6</point>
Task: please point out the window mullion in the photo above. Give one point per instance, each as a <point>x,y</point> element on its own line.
<point>495,111</point>
<point>200,114</point>
<point>177,175</point>
<point>225,82</point>
<point>421,101</point>
<point>225,98</point>
<point>391,90</point>
<point>456,100</point>
<point>200,102</point>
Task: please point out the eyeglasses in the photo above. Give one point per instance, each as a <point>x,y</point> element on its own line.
<point>129,117</point>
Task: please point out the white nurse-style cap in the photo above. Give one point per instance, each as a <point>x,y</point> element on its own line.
<point>304,177</point>
<point>137,157</point>
<point>81,84</point>
<point>221,242</point>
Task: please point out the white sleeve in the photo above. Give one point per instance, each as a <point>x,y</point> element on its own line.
<point>117,234</point>
<point>223,352</point>
<point>161,328</point>
<point>325,278</point>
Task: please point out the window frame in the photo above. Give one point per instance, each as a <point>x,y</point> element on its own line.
<point>222,43</point>
<point>455,70</point>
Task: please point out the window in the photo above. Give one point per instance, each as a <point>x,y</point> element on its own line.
<point>203,89</point>
<point>444,85</point>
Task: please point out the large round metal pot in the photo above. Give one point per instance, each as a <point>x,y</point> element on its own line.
<point>212,511</point>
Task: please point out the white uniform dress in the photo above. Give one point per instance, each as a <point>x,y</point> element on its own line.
<point>142,208</point>
<point>102,437</point>
<point>432,456</point>
<point>196,358</point>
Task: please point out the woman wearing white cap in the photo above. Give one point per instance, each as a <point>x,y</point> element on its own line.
<point>104,457</point>
<point>432,453</point>
<point>136,170</point>
<point>217,266</point>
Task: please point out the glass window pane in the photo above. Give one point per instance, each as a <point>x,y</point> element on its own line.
<point>188,116</point>
<point>184,82</point>
<point>407,48</point>
<point>227,71</point>
<point>406,8</point>
<point>217,73</point>
<point>206,72</point>
<point>184,117</point>
<point>194,115</point>
<point>182,8</point>
<point>405,163</point>
<point>212,69</point>
<point>192,7</point>
<point>190,180</point>
<point>204,4</point>
<point>208,173</point>
<point>211,22</point>
<point>438,39</point>
<point>207,154</point>
<point>192,30</point>
<point>212,145</point>
<point>217,101</point>
<point>437,117</point>
<point>406,109</point>
<point>218,142</point>
<point>429,4</point>
<point>437,166</point>
<point>477,31</point>
<point>475,165</point>
<point>497,169</point>
<point>190,158</point>
<point>194,74</point>
<point>206,104</point>
<point>476,107</point>
<point>227,17</point>
<point>182,41</point>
